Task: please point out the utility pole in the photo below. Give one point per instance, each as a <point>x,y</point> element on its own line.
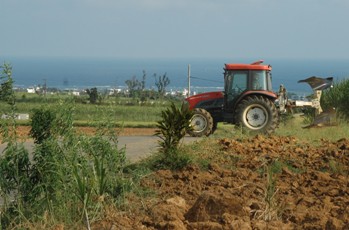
<point>188,80</point>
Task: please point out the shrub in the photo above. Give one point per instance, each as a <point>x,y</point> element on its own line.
<point>67,172</point>
<point>174,160</point>
<point>338,98</point>
<point>41,124</point>
<point>93,95</point>
<point>6,84</point>
<point>171,129</point>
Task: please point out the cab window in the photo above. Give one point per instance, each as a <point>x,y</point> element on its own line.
<point>258,80</point>
<point>237,82</point>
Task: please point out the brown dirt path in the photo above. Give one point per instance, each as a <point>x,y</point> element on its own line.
<point>23,131</point>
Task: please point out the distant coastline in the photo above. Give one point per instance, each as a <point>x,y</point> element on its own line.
<point>82,73</point>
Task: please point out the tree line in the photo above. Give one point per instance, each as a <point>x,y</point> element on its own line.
<point>136,88</point>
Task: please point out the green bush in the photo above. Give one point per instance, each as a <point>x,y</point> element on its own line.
<point>171,129</point>
<point>66,173</point>
<point>174,160</point>
<point>6,84</point>
<point>337,98</point>
<point>93,95</point>
<point>41,124</point>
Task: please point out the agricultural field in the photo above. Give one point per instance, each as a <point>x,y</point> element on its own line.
<point>259,182</point>
<point>246,182</point>
<point>294,179</point>
<point>122,111</point>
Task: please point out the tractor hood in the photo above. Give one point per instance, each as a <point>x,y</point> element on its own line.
<point>204,97</point>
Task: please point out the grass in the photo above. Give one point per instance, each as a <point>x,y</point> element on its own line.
<point>120,113</point>
<point>313,135</point>
<point>126,112</point>
<point>293,127</point>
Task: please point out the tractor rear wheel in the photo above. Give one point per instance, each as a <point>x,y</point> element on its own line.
<point>201,123</point>
<point>257,114</point>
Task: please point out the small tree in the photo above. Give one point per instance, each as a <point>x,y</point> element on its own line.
<point>133,86</point>
<point>6,85</point>
<point>161,83</point>
<point>143,80</point>
<point>171,130</point>
<point>173,126</point>
<point>8,126</point>
<point>93,95</point>
<point>42,122</point>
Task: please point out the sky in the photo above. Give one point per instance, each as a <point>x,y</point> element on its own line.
<point>175,28</point>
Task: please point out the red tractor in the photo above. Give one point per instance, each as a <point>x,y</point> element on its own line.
<point>247,101</point>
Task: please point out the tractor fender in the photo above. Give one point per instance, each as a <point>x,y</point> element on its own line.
<point>270,95</point>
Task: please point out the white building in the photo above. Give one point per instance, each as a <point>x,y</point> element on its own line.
<point>31,90</point>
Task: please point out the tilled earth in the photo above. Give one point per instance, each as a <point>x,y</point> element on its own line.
<point>259,183</point>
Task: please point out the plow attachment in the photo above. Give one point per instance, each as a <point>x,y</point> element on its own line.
<point>327,118</point>
<point>322,118</point>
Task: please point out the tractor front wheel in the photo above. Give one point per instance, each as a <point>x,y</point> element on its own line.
<point>257,114</point>
<point>201,123</point>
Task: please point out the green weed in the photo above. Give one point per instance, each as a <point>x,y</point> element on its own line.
<point>173,160</point>
<point>69,175</point>
<point>336,167</point>
<point>294,127</point>
<point>172,127</point>
<point>271,206</point>
<point>337,97</point>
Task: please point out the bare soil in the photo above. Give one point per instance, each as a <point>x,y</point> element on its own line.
<point>308,189</point>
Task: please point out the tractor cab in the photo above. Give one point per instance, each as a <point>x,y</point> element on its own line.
<point>245,79</point>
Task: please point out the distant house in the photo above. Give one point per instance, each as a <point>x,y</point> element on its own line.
<point>75,93</point>
<point>18,116</point>
<point>114,91</point>
<point>31,90</point>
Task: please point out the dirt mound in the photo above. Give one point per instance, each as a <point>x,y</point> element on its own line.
<point>259,183</point>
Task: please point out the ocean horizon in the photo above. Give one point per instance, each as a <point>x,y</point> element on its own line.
<point>206,73</point>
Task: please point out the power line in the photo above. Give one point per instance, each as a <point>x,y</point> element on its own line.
<point>204,79</point>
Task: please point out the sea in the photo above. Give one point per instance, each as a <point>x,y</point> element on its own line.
<point>206,74</point>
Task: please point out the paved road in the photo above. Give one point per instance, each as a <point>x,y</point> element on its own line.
<point>137,147</point>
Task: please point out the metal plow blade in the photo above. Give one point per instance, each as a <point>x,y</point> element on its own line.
<point>324,119</point>
<point>318,83</point>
